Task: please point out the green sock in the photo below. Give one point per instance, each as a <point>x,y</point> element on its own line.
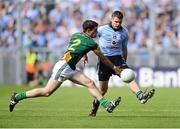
<point>104,102</point>
<point>20,96</point>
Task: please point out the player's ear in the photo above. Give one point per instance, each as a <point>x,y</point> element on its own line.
<point>88,30</point>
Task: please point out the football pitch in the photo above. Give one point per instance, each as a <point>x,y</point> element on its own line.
<point>68,107</point>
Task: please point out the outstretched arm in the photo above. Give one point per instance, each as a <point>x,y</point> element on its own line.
<point>107,62</point>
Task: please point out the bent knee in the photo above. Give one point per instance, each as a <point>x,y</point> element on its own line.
<point>46,93</point>
<point>90,83</point>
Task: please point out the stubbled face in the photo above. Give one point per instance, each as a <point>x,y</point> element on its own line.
<point>116,22</point>
<point>92,33</point>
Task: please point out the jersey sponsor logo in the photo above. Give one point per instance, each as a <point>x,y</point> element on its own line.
<point>113,43</point>
<point>112,47</point>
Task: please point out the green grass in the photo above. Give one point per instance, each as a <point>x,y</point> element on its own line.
<point>69,107</point>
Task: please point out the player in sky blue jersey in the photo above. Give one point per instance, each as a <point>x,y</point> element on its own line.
<point>113,39</point>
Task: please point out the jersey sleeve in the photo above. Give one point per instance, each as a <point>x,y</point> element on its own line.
<point>92,44</point>
<point>125,41</point>
<point>98,49</point>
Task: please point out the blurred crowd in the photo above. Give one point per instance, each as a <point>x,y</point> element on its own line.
<point>49,23</point>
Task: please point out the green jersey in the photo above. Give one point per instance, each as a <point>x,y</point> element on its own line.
<point>79,45</point>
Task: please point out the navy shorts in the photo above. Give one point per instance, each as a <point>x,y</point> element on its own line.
<point>104,72</point>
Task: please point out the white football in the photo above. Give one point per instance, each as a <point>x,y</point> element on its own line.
<point>127,75</point>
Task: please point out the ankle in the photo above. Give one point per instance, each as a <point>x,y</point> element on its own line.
<point>139,95</point>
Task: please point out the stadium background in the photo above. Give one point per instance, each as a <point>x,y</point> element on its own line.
<point>46,25</point>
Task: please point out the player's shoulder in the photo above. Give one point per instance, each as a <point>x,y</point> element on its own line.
<point>74,34</point>
<point>103,26</point>
<point>124,29</point>
<point>77,33</point>
<point>91,42</point>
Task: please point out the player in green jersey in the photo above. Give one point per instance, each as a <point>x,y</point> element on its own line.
<point>65,68</point>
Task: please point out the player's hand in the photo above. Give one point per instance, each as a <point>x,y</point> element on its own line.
<point>85,59</point>
<point>117,70</point>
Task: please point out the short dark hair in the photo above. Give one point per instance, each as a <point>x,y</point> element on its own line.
<point>117,14</point>
<point>89,24</point>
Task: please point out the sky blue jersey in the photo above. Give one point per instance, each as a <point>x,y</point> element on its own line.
<point>111,41</point>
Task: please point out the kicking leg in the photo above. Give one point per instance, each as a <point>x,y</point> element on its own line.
<point>142,96</point>
<point>82,79</point>
<point>103,87</point>
<point>51,86</point>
